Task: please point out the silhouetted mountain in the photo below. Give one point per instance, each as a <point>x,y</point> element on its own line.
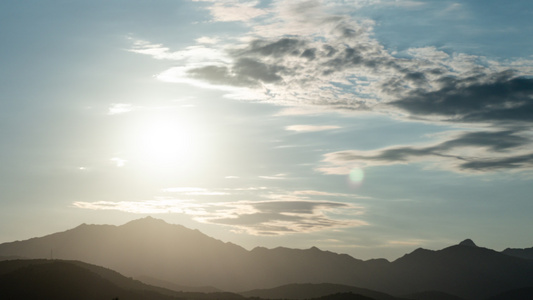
<point>518,294</point>
<point>64,280</point>
<point>11,257</point>
<point>173,253</point>
<point>465,271</point>
<point>344,296</point>
<point>526,253</point>
<point>61,279</point>
<point>279,266</point>
<point>468,242</point>
<point>308,291</point>
<point>185,257</point>
<point>177,287</point>
<point>144,247</point>
<point>432,295</point>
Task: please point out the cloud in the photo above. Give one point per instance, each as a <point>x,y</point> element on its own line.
<point>274,177</point>
<point>494,98</point>
<point>207,40</point>
<point>204,51</point>
<point>245,72</point>
<point>309,58</point>
<point>478,151</point>
<point>120,108</point>
<point>119,162</point>
<point>253,217</point>
<point>327,194</point>
<point>283,217</point>
<point>310,128</point>
<point>408,242</point>
<point>274,212</point>
<point>193,191</point>
<point>306,55</point>
<point>158,206</point>
<point>233,10</point>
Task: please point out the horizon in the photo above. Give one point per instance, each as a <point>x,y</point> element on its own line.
<point>367,127</point>
<point>465,241</point>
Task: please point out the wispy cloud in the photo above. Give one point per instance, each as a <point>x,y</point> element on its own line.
<point>478,151</point>
<point>327,194</point>
<point>119,162</point>
<point>311,128</point>
<point>233,10</point>
<point>252,217</point>
<point>193,191</point>
<point>276,212</point>
<point>282,217</point>
<point>274,177</point>
<point>120,108</point>
<point>407,242</point>
<point>158,206</point>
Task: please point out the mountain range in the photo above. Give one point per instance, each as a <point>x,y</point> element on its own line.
<point>180,257</point>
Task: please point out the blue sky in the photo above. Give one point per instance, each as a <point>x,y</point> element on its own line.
<point>368,127</point>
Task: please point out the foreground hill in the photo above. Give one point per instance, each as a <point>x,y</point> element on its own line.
<point>308,291</point>
<point>61,279</point>
<point>151,248</point>
<point>64,280</point>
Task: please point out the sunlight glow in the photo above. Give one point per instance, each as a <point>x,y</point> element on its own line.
<point>167,141</point>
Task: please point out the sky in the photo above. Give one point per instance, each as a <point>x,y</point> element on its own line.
<point>366,127</point>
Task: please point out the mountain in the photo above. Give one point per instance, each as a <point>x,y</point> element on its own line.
<point>518,294</point>
<point>146,247</point>
<point>61,279</point>
<point>177,287</point>
<point>432,295</point>
<point>344,296</point>
<point>526,253</point>
<point>463,270</point>
<point>468,242</point>
<point>65,280</point>
<point>151,248</point>
<point>308,291</point>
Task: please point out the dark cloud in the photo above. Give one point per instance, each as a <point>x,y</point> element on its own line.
<point>467,152</point>
<point>281,47</point>
<point>255,70</point>
<point>499,98</point>
<point>245,72</point>
<point>309,53</point>
<point>492,164</point>
<point>495,141</point>
<point>220,75</point>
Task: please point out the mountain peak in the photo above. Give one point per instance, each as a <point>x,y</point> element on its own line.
<point>147,220</point>
<point>468,242</point>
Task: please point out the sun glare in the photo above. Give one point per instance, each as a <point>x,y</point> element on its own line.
<point>165,141</point>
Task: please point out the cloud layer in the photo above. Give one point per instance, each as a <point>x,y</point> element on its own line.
<point>306,54</point>
<point>276,214</point>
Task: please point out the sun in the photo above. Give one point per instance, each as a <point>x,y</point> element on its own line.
<point>163,141</point>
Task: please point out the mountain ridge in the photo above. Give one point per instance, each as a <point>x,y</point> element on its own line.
<point>173,253</point>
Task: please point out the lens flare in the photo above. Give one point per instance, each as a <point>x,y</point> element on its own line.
<point>356,177</point>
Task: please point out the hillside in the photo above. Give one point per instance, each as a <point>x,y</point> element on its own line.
<point>307,291</point>
<point>60,280</point>
<point>175,256</point>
